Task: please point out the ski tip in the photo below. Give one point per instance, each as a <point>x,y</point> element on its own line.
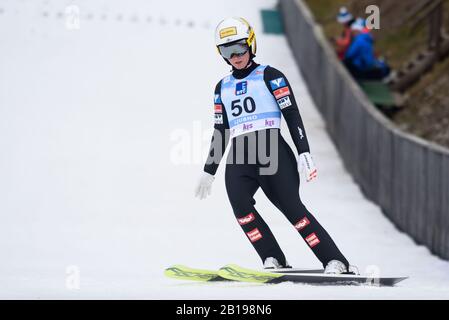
<point>238,273</point>
<point>168,272</point>
<point>231,265</point>
<point>174,267</point>
<point>182,272</point>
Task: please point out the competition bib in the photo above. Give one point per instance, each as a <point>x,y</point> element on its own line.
<point>249,104</point>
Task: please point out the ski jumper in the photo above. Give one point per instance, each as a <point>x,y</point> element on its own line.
<point>247,107</point>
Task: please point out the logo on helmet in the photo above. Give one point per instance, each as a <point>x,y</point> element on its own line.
<point>250,38</point>
<point>227,32</point>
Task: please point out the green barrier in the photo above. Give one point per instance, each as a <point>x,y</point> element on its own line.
<point>378,93</point>
<point>272,22</point>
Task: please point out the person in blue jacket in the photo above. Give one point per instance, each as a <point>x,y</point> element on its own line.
<point>360,58</point>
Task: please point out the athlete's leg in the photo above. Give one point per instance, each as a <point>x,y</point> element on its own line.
<point>241,187</point>
<point>282,189</point>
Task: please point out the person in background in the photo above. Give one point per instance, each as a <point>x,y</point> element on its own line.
<point>360,58</point>
<point>343,42</point>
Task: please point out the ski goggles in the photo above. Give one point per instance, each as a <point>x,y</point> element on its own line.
<point>236,48</point>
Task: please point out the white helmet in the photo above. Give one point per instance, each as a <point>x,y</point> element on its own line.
<point>234,29</point>
<point>344,16</point>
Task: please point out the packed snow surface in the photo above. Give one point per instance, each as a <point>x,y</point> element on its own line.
<point>106,110</point>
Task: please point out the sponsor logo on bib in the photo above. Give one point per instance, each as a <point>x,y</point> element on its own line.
<point>241,88</point>
<point>218,109</point>
<point>244,119</point>
<point>269,123</point>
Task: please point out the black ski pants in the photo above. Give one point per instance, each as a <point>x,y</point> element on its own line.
<point>243,178</point>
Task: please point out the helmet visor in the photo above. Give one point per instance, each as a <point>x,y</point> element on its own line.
<point>236,48</point>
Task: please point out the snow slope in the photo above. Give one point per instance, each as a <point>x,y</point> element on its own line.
<point>103,130</point>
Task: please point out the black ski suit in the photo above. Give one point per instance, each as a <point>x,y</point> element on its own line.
<point>243,178</point>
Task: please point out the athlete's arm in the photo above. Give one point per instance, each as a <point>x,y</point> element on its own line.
<point>279,86</point>
<point>220,137</point>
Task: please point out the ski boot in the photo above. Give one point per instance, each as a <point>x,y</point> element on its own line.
<point>273,263</point>
<point>338,267</point>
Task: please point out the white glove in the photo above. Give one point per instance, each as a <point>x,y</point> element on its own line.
<point>306,166</point>
<point>204,186</point>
